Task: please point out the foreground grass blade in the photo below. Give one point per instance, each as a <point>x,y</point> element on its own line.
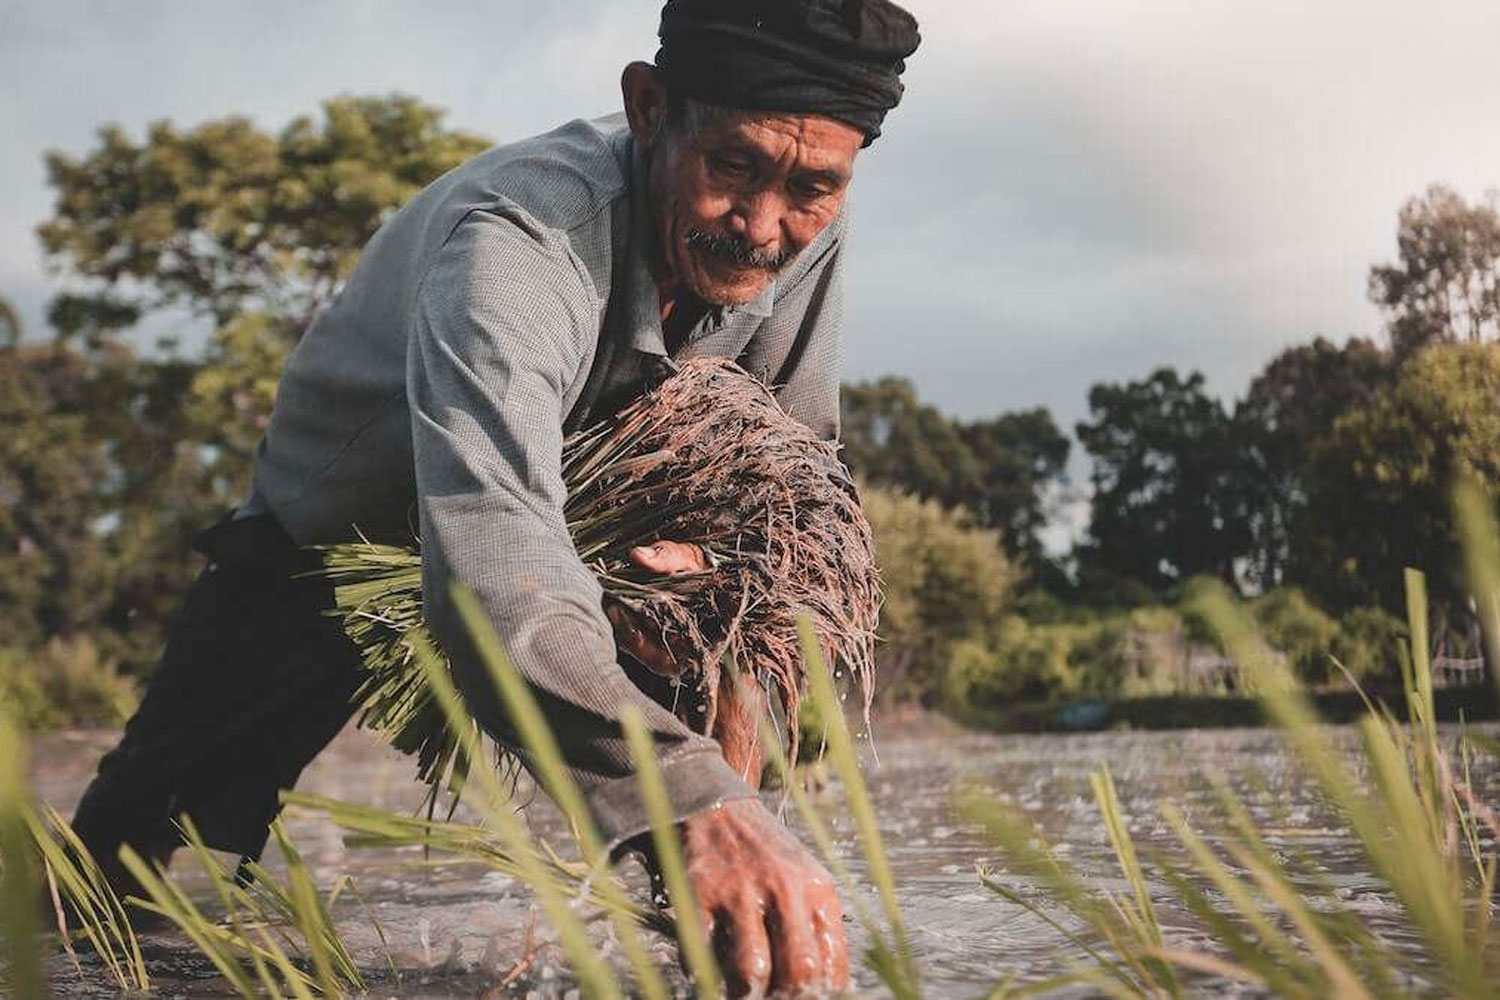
<point>1480,535</point>
<point>545,756</point>
<point>882,954</point>
<point>594,975</point>
<point>218,945</point>
<point>1142,916</point>
<point>1401,821</point>
<point>80,889</point>
<point>20,886</point>
<point>332,963</point>
<point>700,958</point>
<point>1125,965</point>
<point>840,750</point>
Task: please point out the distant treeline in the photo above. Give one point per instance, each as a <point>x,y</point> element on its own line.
<point>1315,489</point>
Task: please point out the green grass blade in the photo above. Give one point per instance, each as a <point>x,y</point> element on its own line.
<point>846,765</point>
<point>691,932</point>
<point>1480,536</point>
<point>594,976</point>
<point>20,886</point>
<point>546,757</point>
<point>80,888</point>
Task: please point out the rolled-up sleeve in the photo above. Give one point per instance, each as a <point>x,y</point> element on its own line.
<point>501,326</point>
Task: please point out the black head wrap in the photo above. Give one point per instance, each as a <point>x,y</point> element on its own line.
<point>839,58</point>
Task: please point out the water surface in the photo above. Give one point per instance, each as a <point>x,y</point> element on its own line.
<point>446,929</point>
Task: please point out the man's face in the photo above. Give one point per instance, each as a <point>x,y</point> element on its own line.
<point>737,195</point>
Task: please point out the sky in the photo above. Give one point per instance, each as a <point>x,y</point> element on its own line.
<point>1072,191</point>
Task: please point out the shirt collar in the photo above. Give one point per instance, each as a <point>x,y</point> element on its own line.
<point>642,307</point>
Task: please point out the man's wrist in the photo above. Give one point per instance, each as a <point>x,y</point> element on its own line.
<point>697,779</point>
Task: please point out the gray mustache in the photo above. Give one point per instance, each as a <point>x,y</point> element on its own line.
<point>736,251</point>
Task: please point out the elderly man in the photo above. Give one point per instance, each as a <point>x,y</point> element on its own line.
<point>521,296</point>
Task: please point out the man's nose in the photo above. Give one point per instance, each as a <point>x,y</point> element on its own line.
<point>757,219</point>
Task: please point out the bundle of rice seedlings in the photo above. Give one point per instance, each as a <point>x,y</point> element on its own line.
<point>706,457</point>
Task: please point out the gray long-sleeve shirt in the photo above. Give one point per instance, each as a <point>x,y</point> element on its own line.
<point>507,304</point>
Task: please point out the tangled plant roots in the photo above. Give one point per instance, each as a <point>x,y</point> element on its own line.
<point>709,457</point>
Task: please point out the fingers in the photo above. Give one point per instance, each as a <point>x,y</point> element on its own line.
<point>669,558</point>
<point>797,957</point>
<point>833,946</point>
<point>744,948</point>
<point>655,655</point>
<point>779,925</point>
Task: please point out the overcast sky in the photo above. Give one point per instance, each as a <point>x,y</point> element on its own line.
<point>1072,191</point>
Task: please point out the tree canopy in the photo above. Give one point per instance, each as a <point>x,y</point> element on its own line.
<point>1163,474</point>
<point>1295,400</point>
<point>1001,470</point>
<point>1445,286</point>
<point>112,460</point>
<point>1381,481</point>
<point>224,219</point>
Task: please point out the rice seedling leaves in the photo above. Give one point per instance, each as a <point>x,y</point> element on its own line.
<point>691,932</point>
<point>19,882</point>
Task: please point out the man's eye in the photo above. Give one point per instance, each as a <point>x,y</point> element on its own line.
<point>810,190</point>
<point>729,166</point>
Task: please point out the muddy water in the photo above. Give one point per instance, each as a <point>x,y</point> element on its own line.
<point>446,929</point>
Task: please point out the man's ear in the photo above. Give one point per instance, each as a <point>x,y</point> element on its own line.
<point>645,101</point>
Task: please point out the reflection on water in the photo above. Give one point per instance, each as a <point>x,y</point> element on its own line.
<point>455,930</point>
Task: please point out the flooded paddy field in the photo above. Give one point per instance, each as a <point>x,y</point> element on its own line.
<point>447,929</point>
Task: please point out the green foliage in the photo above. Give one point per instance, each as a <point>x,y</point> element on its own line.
<point>230,398</point>
<point>223,219</point>
<point>944,581</point>
<point>98,498</point>
<point>111,462</point>
<point>1161,650</point>
<point>1445,288</point>
<point>1297,630</point>
<point>1000,470</point>
<point>63,682</point>
<point>1378,489</point>
<point>1164,478</point>
<point>1368,643</point>
<point>1296,399</point>
<point>1014,660</point>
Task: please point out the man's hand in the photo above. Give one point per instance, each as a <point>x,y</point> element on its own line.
<point>769,906</point>
<point>668,559</point>
<point>741,701</point>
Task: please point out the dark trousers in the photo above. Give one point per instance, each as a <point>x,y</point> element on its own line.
<point>255,679</point>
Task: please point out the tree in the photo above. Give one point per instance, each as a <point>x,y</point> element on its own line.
<point>97,499</point>
<point>891,437</point>
<point>1296,399</point>
<point>1380,482</point>
<point>945,580</point>
<point>1445,286</point>
<point>1000,470</point>
<point>224,219</point>
<point>1164,479</point>
<point>1022,456</point>
<point>111,461</point>
<point>249,231</point>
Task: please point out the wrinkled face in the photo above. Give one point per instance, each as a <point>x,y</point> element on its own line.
<point>737,195</point>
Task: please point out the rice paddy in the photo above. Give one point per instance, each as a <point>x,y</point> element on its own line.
<point>1213,889</point>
